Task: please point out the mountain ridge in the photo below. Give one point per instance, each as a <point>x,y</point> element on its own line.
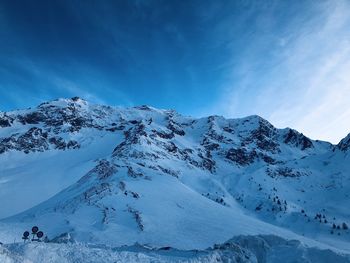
<point>66,108</point>
<point>123,168</point>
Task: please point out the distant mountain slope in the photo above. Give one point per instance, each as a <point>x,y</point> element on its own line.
<point>122,175</point>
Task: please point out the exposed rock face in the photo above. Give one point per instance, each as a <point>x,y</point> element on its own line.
<point>264,136</point>
<point>284,172</point>
<point>150,138</point>
<point>45,127</point>
<point>297,139</point>
<point>344,144</point>
<point>35,140</point>
<point>241,156</point>
<point>157,160</point>
<point>32,140</point>
<point>57,124</point>
<point>5,121</point>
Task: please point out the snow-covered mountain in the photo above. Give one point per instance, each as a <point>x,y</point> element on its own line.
<point>116,176</point>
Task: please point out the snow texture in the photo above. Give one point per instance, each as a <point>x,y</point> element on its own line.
<point>112,176</point>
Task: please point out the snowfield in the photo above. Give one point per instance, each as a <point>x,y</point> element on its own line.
<point>104,178</point>
<point>240,249</point>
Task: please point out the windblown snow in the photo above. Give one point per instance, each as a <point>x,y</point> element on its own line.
<point>102,177</point>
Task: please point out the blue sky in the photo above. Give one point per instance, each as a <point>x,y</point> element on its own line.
<point>287,61</point>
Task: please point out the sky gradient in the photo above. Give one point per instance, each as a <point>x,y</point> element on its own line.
<point>287,61</point>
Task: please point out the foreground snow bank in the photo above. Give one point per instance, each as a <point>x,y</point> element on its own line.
<point>239,249</point>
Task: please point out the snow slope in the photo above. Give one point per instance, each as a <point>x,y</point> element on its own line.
<point>241,249</point>
<point>116,176</point>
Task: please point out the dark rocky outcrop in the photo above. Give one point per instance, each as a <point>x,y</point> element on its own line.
<point>297,139</point>
<point>344,144</point>
<point>241,156</point>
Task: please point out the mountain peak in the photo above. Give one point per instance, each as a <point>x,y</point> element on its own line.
<point>64,102</point>
<point>344,144</point>
<point>117,170</point>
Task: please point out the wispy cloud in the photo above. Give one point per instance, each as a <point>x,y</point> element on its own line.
<point>37,82</point>
<point>306,83</point>
<point>288,61</point>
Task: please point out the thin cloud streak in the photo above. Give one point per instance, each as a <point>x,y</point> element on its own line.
<point>308,87</point>
<point>284,60</point>
<point>48,82</point>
